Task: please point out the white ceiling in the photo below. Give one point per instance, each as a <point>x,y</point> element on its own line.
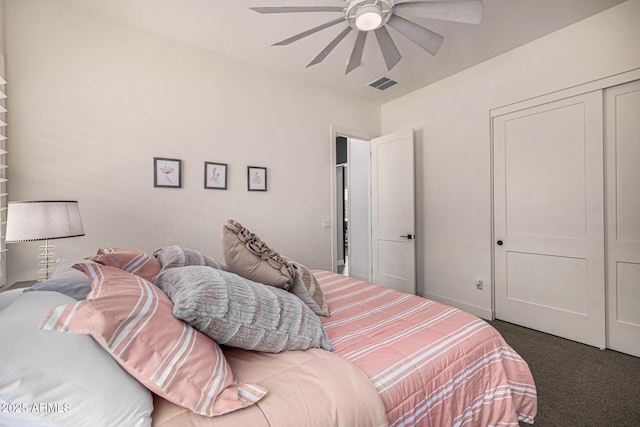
<point>230,28</point>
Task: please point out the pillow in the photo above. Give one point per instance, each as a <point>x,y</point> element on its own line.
<point>131,260</point>
<point>132,320</point>
<point>177,256</point>
<point>7,297</point>
<point>78,383</point>
<point>241,313</point>
<point>66,280</point>
<point>248,256</point>
<point>306,287</point>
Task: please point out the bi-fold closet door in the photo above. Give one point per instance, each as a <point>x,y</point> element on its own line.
<point>567,216</point>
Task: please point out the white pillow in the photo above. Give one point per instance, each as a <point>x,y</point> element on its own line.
<point>7,297</point>
<point>70,378</point>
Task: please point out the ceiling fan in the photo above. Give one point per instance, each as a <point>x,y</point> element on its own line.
<point>374,15</point>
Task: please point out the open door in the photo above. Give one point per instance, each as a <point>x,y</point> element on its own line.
<point>393,233</point>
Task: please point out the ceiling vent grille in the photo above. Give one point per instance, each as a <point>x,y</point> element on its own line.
<point>382,83</point>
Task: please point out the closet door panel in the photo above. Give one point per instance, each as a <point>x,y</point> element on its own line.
<point>622,111</point>
<point>549,218</point>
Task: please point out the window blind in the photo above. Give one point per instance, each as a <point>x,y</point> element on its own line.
<point>3,175</point>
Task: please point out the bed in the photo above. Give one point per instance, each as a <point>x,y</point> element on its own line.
<point>398,360</point>
<point>430,364</point>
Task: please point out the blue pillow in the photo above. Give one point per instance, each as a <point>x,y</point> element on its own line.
<point>66,280</point>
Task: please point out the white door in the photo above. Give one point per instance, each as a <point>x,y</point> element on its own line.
<point>393,234</point>
<point>622,112</point>
<point>549,218</point>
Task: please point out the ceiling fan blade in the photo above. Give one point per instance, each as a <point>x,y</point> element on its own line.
<point>390,52</point>
<point>426,39</point>
<point>356,55</point>
<point>327,50</point>
<point>294,9</point>
<point>465,11</point>
<point>309,32</point>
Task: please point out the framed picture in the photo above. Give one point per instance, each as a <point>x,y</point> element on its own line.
<point>167,173</point>
<point>256,178</point>
<point>215,175</point>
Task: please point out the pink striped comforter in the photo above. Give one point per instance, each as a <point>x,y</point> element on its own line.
<point>433,365</point>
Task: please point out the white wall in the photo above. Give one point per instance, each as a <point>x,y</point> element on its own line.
<point>453,146</point>
<point>2,48</point>
<point>93,101</point>
<point>359,203</point>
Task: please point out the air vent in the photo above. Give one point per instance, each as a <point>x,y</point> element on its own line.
<point>383,83</point>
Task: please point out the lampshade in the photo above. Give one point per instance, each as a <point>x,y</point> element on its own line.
<point>43,220</point>
<point>368,18</point>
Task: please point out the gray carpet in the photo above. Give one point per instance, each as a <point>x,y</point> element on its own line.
<point>578,385</point>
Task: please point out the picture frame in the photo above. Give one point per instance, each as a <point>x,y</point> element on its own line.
<point>256,178</point>
<point>215,176</point>
<point>167,173</point>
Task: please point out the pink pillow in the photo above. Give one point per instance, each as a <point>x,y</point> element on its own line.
<point>131,260</point>
<point>133,320</point>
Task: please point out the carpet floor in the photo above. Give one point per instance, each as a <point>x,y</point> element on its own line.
<point>578,385</point>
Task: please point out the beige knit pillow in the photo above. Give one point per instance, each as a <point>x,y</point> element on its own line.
<point>248,256</point>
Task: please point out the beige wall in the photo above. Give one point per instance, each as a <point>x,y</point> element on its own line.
<point>453,146</point>
<point>93,101</point>
<point>2,26</point>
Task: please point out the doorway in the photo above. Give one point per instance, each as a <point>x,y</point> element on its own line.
<point>342,202</point>
<point>352,178</point>
<point>380,206</point>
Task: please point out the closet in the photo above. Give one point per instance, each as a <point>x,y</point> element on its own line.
<point>566,209</point>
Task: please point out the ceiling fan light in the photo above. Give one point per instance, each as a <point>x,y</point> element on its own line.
<point>368,18</point>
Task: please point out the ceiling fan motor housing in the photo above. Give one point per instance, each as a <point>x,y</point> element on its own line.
<point>357,7</point>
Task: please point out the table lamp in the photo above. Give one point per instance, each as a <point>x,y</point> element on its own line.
<point>43,220</point>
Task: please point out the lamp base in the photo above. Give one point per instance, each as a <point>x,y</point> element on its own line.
<point>47,261</point>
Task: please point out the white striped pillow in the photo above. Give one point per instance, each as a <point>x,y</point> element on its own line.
<point>132,319</point>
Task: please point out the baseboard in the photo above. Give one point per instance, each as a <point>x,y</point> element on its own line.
<point>359,277</point>
<point>481,312</point>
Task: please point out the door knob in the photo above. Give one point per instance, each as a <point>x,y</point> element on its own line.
<point>500,242</point>
<point>408,236</point>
